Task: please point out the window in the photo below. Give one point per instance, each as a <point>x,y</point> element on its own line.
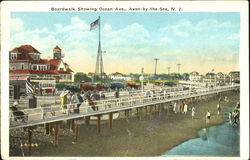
<point>22,66</point>
<point>61,69</point>
<point>36,56</point>
<point>69,77</point>
<point>34,67</point>
<point>13,56</point>
<point>12,68</point>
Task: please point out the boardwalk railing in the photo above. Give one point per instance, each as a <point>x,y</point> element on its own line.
<point>54,113</point>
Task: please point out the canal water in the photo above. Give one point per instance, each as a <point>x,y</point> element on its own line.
<point>219,140</point>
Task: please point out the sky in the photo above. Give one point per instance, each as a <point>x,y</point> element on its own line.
<point>199,41</point>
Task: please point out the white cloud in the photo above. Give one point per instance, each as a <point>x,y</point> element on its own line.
<point>165,40</point>
<point>233,36</point>
<point>17,25</point>
<point>182,34</point>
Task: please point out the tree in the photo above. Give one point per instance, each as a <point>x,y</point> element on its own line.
<point>81,77</point>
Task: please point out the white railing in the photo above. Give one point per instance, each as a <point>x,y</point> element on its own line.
<point>55,111</point>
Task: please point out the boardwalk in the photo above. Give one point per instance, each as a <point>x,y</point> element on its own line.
<point>39,116</point>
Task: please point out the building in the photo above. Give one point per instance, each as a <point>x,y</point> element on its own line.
<point>210,78</point>
<point>25,62</point>
<point>195,77</point>
<point>119,76</point>
<point>234,76</point>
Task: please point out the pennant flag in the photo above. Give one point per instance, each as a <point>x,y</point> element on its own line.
<point>94,24</point>
<point>29,88</point>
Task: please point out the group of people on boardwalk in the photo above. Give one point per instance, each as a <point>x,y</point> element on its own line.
<point>70,100</point>
<point>73,100</point>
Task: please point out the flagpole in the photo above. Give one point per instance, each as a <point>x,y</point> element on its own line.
<point>99,50</point>
<point>99,29</point>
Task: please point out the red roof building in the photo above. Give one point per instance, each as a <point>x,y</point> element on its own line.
<point>25,60</point>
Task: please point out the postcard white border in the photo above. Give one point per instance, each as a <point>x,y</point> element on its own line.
<point>187,6</point>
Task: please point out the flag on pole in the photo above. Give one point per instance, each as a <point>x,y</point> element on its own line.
<point>29,87</point>
<point>94,24</point>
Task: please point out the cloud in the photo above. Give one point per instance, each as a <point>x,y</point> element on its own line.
<point>233,36</point>
<point>182,34</point>
<point>165,40</point>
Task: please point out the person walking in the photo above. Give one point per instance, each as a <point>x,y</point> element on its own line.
<point>226,100</point>
<point>218,108</point>
<point>117,93</point>
<point>78,100</point>
<point>175,107</point>
<point>185,108</point>
<point>208,116</point>
<point>69,102</point>
<point>63,101</point>
<point>230,117</point>
<point>193,112</point>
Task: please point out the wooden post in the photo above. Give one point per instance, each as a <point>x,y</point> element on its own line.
<point>56,135</point>
<point>158,109</point>
<point>98,127</point>
<point>87,119</point>
<point>29,140</point>
<point>140,113</point>
<point>110,120</point>
<point>137,112</point>
<point>46,126</point>
<point>73,125</point>
<point>146,110</point>
<point>76,130</point>
<point>127,114</point>
<point>51,128</point>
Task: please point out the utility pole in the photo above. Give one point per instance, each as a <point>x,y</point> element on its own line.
<point>156,59</point>
<point>169,70</point>
<point>179,65</point>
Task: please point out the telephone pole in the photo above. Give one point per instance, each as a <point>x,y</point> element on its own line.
<point>156,59</point>
<point>169,70</point>
<point>179,66</point>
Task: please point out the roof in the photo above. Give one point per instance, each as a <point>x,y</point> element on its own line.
<point>22,56</point>
<point>28,71</point>
<point>26,48</point>
<point>91,73</point>
<point>56,47</point>
<point>117,74</point>
<point>54,63</point>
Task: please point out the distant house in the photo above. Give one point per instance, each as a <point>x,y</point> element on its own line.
<point>234,76</point>
<point>25,62</point>
<point>119,76</point>
<point>90,74</point>
<point>195,77</point>
<point>209,78</point>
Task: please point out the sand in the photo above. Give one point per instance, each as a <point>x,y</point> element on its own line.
<point>151,135</point>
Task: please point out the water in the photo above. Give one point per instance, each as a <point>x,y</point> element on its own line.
<point>219,140</point>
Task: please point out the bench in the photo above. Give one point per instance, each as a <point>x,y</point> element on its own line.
<point>46,110</point>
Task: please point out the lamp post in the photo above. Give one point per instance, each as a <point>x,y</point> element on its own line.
<point>141,79</point>
<point>169,70</point>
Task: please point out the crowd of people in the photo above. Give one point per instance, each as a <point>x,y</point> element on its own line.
<point>73,100</point>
